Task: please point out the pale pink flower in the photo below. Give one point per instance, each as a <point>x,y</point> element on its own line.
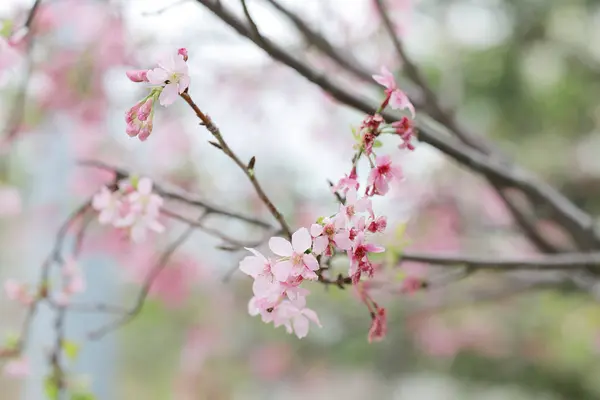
<point>354,205</point>
<point>18,292</point>
<point>255,265</point>
<point>173,70</point>
<point>331,233</point>
<point>143,213</point>
<point>108,204</point>
<point>295,262</point>
<point>17,368</point>
<point>397,98</point>
<point>382,174</point>
<point>295,317</point>
<point>378,328</point>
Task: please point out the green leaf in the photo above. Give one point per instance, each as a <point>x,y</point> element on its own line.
<point>377,143</point>
<point>71,349</point>
<point>83,396</point>
<point>51,388</point>
<point>6,28</point>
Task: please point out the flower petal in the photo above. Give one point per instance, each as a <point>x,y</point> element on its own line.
<point>316,230</point>
<point>301,326</point>
<point>301,240</point>
<point>311,262</point>
<point>168,95</point>
<point>282,270</point>
<point>320,244</point>
<point>280,246</point>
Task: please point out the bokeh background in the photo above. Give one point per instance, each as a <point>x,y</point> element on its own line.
<point>523,72</point>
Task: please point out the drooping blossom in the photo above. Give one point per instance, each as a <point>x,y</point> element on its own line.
<point>172,72</point>
<point>294,262</point>
<point>405,129</point>
<point>397,98</point>
<point>359,254</point>
<point>295,317</point>
<point>383,172</point>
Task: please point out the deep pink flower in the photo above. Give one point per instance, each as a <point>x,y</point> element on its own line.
<point>405,129</point>
<point>359,253</point>
<point>397,98</point>
<point>382,174</point>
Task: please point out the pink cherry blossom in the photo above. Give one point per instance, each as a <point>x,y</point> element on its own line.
<point>405,129</point>
<point>137,75</point>
<point>172,72</point>
<point>295,317</point>
<point>397,98</point>
<point>17,368</point>
<point>255,265</point>
<point>360,252</point>
<point>331,233</point>
<point>295,261</point>
<point>354,205</point>
<point>382,174</point>
<point>348,182</point>
<point>18,292</point>
<point>108,204</point>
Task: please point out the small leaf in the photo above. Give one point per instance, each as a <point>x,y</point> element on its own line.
<point>377,143</point>
<point>217,145</point>
<point>251,163</point>
<point>83,396</point>
<point>6,28</point>
<point>51,388</point>
<point>71,349</point>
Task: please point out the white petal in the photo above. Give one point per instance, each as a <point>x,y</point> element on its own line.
<point>311,262</point>
<point>301,240</point>
<point>280,246</point>
<point>301,326</point>
<point>282,270</point>
<point>316,230</point>
<point>310,314</point>
<point>320,244</point>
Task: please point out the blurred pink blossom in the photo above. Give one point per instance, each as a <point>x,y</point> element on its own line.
<point>10,201</point>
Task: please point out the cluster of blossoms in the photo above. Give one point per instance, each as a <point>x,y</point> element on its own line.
<point>278,295</point>
<point>167,81</point>
<point>131,205</point>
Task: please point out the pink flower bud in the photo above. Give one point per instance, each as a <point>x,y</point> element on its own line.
<point>145,109</point>
<point>183,52</point>
<point>137,75</point>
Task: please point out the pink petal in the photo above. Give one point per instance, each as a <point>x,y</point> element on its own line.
<point>311,262</point>
<point>257,254</point>
<point>301,240</point>
<point>252,266</point>
<point>280,246</point>
<point>316,230</point>
<point>311,315</point>
<point>144,186</point>
<point>157,76</point>
<point>184,83</point>
<point>282,270</point>
<point>320,244</point>
<point>168,95</point>
<point>342,241</point>
<point>301,326</point>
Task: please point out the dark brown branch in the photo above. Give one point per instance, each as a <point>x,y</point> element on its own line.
<point>317,40</point>
<point>249,172</point>
<point>565,261</point>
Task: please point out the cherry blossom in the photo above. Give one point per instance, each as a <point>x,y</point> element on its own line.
<point>397,98</point>
<point>354,205</point>
<point>172,72</point>
<point>331,233</point>
<point>382,174</point>
<point>295,317</point>
<point>295,261</point>
<point>108,204</point>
